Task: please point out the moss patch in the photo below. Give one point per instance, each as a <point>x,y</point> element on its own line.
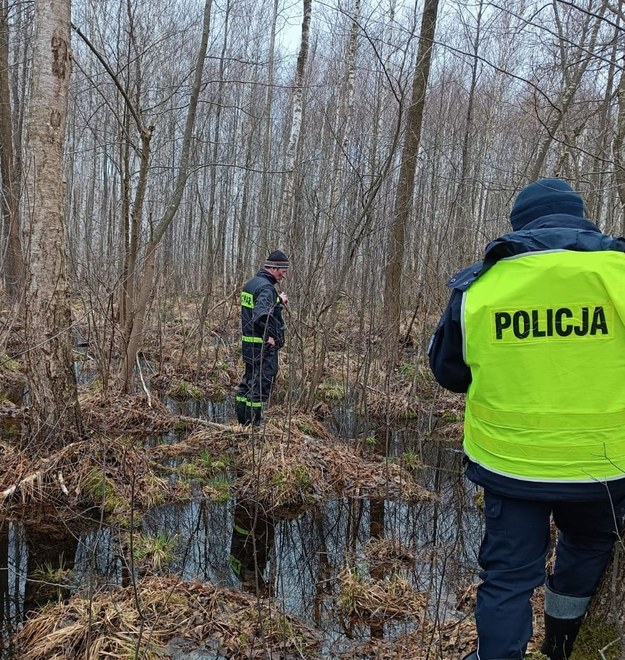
<point>597,640</point>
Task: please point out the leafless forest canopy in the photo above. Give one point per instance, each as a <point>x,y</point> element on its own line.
<point>298,142</point>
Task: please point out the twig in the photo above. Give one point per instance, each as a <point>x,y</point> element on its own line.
<point>62,483</point>
<point>204,422</point>
<point>27,481</point>
<point>145,389</point>
<point>606,647</point>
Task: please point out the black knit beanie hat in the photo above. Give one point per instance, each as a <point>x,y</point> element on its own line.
<point>544,197</point>
<point>277,259</point>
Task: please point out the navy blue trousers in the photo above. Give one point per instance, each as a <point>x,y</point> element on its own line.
<point>256,385</point>
<point>512,556</point>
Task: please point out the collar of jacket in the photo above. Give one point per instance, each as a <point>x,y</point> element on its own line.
<point>267,275</point>
<point>551,232</point>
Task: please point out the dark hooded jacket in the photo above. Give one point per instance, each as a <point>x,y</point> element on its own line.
<point>549,232</point>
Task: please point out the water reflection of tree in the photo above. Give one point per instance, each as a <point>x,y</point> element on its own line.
<point>378,571</point>
<point>444,532</point>
<point>252,542</point>
<point>34,564</point>
<point>51,553</point>
<point>7,622</point>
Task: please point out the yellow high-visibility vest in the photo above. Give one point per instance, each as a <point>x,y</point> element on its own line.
<point>544,337</point>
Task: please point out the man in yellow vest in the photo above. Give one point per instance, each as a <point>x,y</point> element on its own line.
<point>535,336</point>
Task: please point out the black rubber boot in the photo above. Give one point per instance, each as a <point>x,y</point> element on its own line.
<point>243,413</point>
<point>560,635</point>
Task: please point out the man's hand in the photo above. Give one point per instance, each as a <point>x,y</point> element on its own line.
<point>271,341</point>
<point>284,299</point>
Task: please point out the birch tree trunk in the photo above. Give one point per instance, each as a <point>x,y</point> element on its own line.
<point>54,410</point>
<point>296,125</point>
<point>9,167</point>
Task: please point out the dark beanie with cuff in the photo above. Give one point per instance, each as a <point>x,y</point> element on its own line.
<point>544,197</point>
<point>277,259</point>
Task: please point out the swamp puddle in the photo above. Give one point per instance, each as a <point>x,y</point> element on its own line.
<point>233,544</point>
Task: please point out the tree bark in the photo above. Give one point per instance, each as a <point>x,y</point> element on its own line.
<point>54,411</point>
<point>292,223</point>
<point>14,272</point>
<point>145,280</point>
<point>405,187</point>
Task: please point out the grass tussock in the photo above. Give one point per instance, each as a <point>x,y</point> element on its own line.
<point>282,467</point>
<point>388,555</point>
<point>287,469</point>
<point>139,622</point>
<point>117,414</point>
<point>362,597</point>
<point>103,472</point>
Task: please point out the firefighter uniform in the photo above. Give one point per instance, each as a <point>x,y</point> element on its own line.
<point>261,319</point>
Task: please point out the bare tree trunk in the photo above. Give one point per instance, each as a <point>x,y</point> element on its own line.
<point>462,208</point>
<point>596,197</point>
<point>212,221</point>
<point>296,124</point>
<point>405,187</point>
<point>619,145</point>
<point>54,409</point>
<point>608,604</point>
<point>264,207</point>
<point>14,272</point>
<point>134,330</point>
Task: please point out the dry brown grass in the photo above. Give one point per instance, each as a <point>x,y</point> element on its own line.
<point>101,471</point>
<point>287,469</point>
<point>364,598</point>
<point>388,555</point>
<point>128,623</point>
<point>450,640</point>
<point>284,468</point>
<point>117,414</point>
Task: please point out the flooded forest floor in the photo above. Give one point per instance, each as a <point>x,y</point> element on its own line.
<point>342,527</point>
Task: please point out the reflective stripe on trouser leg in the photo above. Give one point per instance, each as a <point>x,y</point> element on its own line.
<point>257,382</point>
<point>560,606</point>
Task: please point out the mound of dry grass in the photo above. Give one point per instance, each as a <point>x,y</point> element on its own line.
<point>388,555</point>
<point>282,467</point>
<point>139,621</point>
<point>287,469</point>
<point>363,597</point>
<point>105,472</point>
<point>116,414</point>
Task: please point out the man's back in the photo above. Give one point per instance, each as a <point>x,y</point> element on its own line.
<point>544,336</point>
<point>535,335</point>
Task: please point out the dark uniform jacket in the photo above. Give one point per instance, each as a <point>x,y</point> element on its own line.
<point>261,315</point>
<point>551,232</point>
